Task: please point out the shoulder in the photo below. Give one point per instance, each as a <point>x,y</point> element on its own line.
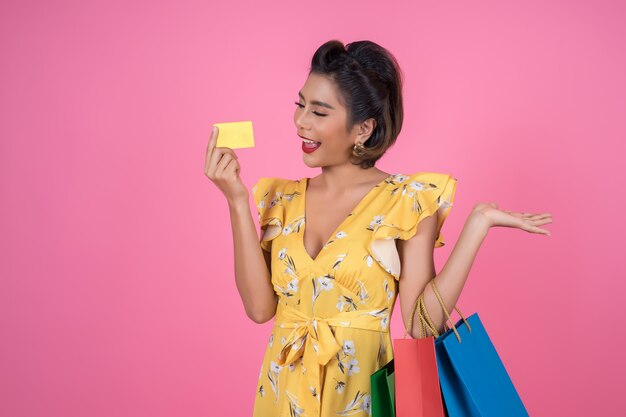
<point>417,196</point>
<point>422,181</point>
<point>269,191</point>
<point>422,188</point>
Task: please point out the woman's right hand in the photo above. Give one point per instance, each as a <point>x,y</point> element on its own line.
<point>222,168</point>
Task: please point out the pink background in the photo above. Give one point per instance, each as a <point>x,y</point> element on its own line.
<point>117,294</point>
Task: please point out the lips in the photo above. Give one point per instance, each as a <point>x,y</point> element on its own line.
<point>303,137</point>
<point>309,147</point>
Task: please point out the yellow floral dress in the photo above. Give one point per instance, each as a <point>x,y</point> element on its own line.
<point>331,329</point>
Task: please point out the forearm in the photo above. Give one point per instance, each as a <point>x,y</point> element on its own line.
<point>251,273</point>
<point>452,277</point>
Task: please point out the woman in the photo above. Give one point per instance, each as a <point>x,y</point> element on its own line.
<point>338,248</point>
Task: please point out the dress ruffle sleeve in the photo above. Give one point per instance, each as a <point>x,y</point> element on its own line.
<point>419,196</point>
<point>267,193</point>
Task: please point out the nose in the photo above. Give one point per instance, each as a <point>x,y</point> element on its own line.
<point>301,121</point>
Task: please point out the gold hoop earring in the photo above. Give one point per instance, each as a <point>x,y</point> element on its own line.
<point>358,149</point>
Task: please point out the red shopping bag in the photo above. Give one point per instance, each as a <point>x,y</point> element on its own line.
<point>417,389</point>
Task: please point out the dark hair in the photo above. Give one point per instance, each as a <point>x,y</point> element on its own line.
<point>369,80</point>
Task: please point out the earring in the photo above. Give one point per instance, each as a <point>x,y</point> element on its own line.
<point>358,149</point>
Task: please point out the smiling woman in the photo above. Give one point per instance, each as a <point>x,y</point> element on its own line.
<point>360,83</point>
<point>337,250</point>
<point>335,292</point>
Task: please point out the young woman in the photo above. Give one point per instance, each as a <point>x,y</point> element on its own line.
<point>337,249</point>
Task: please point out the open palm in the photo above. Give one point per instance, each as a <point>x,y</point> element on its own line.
<point>529,222</point>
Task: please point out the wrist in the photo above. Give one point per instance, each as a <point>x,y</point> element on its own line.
<point>238,205</point>
<point>478,219</point>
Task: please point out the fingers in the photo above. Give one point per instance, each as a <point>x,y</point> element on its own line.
<point>541,231</point>
<point>212,141</point>
<point>215,156</point>
<point>531,226</point>
<point>209,151</point>
<point>531,216</point>
<point>540,222</point>
<point>232,169</point>
<point>221,171</point>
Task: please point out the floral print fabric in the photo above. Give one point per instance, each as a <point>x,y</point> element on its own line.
<point>331,329</point>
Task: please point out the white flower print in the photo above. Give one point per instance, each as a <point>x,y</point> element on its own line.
<point>274,367</point>
<point>382,351</point>
<point>383,313</point>
<point>369,260</point>
<point>282,253</point>
<point>326,284</point>
<point>340,259</point>
<point>276,199</point>
<point>287,229</point>
<point>291,288</point>
<point>293,285</point>
<point>340,364</point>
<point>283,340</point>
<point>362,293</point>
<point>348,347</point>
<point>344,300</point>
<point>341,235</point>
<point>289,196</point>
<point>340,303</point>
<point>399,178</point>
<point>272,375</point>
<point>384,322</point>
<point>389,292</point>
<point>294,409</point>
<point>444,204</point>
<point>356,405</point>
<point>378,220</point>
<point>271,339</point>
<point>367,405</point>
<point>321,283</point>
<point>416,185</point>
<point>290,266</point>
<point>353,367</point>
<point>290,271</point>
<point>340,386</point>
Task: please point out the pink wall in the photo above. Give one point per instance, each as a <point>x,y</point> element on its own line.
<point>117,294</point>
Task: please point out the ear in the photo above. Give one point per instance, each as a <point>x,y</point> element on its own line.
<point>365,130</point>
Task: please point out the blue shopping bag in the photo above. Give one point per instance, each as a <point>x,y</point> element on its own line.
<point>473,379</point>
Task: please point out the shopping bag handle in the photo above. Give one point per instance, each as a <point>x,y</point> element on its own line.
<point>445,310</point>
<point>421,307</point>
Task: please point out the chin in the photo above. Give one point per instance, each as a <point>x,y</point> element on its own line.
<point>309,163</point>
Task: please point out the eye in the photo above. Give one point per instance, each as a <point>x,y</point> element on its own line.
<point>314,112</point>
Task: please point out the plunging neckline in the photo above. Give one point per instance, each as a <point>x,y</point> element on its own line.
<point>305,182</point>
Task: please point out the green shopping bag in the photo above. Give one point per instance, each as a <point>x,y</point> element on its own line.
<point>383,391</point>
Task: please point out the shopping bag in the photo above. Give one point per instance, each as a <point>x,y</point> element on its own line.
<point>417,383</point>
<point>383,392</point>
<point>473,379</point>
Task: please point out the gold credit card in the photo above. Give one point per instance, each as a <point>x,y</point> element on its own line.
<point>235,135</point>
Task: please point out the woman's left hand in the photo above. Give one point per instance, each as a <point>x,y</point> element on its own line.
<point>525,221</point>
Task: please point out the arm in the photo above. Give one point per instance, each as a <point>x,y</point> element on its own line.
<point>252,274</point>
<point>252,265</point>
<point>416,256</point>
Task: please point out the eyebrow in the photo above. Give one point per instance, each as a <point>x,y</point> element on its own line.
<point>317,103</point>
